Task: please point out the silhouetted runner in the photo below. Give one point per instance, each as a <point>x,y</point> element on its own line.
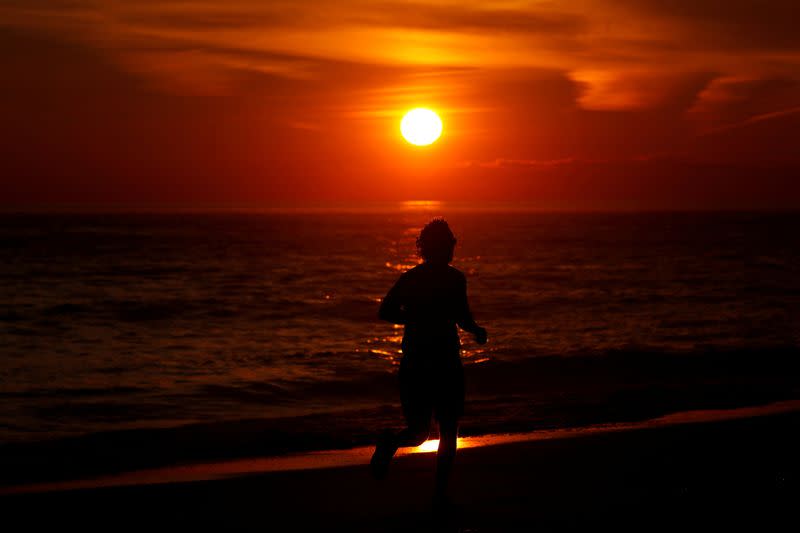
<point>430,300</point>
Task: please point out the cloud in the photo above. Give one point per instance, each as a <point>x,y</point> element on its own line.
<point>501,162</point>
<point>728,101</point>
<point>756,119</point>
<point>463,16</point>
<point>624,55</point>
<point>728,24</point>
<point>623,89</point>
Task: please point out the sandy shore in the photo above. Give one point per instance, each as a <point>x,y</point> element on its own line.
<point>701,476</point>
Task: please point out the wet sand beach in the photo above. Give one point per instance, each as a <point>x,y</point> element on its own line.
<point>689,476</point>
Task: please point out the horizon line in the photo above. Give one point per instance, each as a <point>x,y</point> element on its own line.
<point>419,205</point>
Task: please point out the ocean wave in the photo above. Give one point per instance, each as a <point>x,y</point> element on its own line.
<point>78,392</point>
<point>66,309</point>
<point>547,392</point>
<point>636,365</point>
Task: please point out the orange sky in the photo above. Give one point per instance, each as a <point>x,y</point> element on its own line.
<point>571,104</point>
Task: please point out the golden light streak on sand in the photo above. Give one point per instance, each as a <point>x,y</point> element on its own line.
<point>360,456</point>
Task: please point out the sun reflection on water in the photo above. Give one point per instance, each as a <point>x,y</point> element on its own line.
<point>421,204</point>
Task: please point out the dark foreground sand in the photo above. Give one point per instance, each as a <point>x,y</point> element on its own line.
<point>699,477</point>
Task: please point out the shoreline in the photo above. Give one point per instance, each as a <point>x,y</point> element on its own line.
<point>330,459</point>
<point>709,476</point>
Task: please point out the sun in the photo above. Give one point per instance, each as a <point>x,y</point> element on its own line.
<point>421,126</point>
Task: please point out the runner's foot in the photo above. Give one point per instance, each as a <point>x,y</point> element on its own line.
<point>379,465</point>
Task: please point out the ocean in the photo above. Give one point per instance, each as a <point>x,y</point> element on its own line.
<point>217,334</point>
